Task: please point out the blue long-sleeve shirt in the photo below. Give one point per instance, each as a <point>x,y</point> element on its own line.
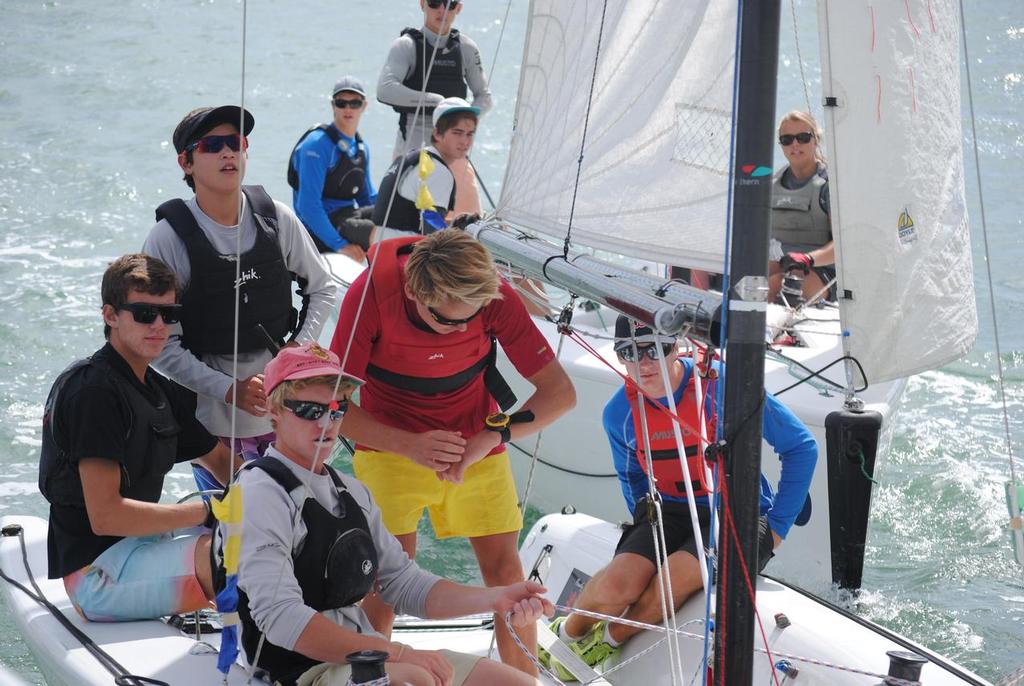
<point>793,442</point>
<point>313,159</point>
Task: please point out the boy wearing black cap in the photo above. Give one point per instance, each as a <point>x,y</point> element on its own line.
<point>329,172</point>
<point>198,238</point>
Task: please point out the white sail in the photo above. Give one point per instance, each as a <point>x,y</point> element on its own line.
<point>655,171</point>
<point>899,214</point>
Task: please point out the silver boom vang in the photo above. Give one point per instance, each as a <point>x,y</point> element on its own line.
<point>669,307</point>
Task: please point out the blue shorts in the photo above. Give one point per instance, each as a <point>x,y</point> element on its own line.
<point>143,577</point>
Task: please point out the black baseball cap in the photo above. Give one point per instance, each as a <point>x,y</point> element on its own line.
<point>628,330</point>
<point>197,122</point>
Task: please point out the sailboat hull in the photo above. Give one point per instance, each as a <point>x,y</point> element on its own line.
<point>563,549</point>
<point>567,549</point>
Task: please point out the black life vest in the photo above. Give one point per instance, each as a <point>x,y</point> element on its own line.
<point>446,74</point>
<point>404,214</point>
<point>346,180</point>
<point>396,358</point>
<point>208,311</point>
<point>336,567</point>
<point>151,443</point>
<point>668,471</point>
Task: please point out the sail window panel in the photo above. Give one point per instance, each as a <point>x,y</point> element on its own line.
<point>654,179</point>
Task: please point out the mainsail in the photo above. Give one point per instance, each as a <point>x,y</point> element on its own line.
<point>654,181</point>
<point>899,215</point>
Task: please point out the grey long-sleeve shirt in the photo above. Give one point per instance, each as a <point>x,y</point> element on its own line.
<point>272,530</point>
<point>210,375</point>
<point>399,66</point>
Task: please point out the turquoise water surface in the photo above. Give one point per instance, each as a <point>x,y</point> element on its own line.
<point>89,95</point>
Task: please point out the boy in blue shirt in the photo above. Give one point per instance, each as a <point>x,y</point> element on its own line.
<point>629,584</point>
<point>329,170</point>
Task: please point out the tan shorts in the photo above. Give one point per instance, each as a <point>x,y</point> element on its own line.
<point>330,674</point>
<point>484,503</point>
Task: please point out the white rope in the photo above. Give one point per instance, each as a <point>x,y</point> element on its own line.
<point>799,56</point>
<point>1017,677</point>
<point>988,254</point>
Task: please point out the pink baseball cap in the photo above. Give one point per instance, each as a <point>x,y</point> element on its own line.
<point>304,362</point>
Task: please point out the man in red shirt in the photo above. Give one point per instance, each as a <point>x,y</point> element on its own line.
<point>421,327</point>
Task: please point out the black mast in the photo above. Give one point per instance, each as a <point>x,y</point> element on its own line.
<point>757,57</point>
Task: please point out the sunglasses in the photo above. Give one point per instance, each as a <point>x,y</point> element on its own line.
<point>312,411</point>
<point>215,144</point>
<point>145,313</point>
<point>351,104</point>
<point>631,354</point>
<point>434,4</point>
<point>788,138</point>
<point>441,319</point>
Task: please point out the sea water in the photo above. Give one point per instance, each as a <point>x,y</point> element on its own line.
<point>91,91</point>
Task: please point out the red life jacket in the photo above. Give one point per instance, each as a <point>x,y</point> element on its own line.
<point>417,359</point>
<point>668,472</point>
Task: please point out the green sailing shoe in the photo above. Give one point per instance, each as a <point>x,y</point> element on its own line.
<point>592,648</point>
<point>544,657</point>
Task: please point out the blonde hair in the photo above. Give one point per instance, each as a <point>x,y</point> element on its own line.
<point>808,120</point>
<point>452,265</point>
<point>286,390</point>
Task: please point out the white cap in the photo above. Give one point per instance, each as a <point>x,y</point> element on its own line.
<point>349,83</point>
<point>451,106</point>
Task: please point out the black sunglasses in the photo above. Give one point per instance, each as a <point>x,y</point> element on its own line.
<point>145,313</point>
<point>631,354</point>
<point>215,144</point>
<point>351,104</point>
<point>312,411</point>
<point>434,4</point>
<point>441,319</point>
<point>788,138</point>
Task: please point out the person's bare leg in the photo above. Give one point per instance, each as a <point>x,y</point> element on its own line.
<point>684,571</point>
<point>380,614</point>
<point>204,573</point>
<point>490,673</point>
<point>407,673</point>
<point>498,557</point>
<point>610,591</point>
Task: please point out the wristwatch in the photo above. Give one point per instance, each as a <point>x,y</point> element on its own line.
<point>501,423</point>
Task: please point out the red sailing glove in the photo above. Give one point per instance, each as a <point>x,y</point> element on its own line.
<point>796,260</point>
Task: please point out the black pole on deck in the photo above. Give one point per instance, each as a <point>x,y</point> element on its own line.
<point>744,383</point>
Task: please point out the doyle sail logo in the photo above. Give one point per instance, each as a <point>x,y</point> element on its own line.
<point>905,227</point>
<point>246,277</point>
<point>436,356</point>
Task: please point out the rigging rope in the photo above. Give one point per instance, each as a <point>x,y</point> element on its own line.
<point>1012,679</point>
<point>583,138</point>
<point>800,58</point>
<point>988,254</point>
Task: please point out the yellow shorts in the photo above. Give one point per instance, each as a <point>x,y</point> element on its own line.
<point>484,503</point>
